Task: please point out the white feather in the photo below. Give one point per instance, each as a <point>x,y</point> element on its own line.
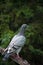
<point>17,42</point>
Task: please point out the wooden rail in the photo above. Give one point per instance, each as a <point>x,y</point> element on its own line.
<point>19,60</point>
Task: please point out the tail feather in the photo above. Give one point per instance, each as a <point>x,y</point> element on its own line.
<point>6,57</point>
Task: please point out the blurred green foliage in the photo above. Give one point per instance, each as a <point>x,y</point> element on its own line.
<point>13,13</point>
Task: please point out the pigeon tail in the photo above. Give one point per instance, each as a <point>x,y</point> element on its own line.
<point>6,57</point>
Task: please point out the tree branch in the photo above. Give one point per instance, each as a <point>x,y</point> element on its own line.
<point>15,58</point>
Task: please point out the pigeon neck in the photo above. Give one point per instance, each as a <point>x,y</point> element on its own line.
<point>21,31</point>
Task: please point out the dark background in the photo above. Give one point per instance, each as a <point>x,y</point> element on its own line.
<point>13,13</point>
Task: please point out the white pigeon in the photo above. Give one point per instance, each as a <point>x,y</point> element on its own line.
<point>16,43</point>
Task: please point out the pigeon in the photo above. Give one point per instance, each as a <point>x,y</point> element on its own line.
<point>16,43</point>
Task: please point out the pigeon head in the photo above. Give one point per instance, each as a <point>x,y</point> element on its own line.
<point>24,26</point>
<point>22,29</point>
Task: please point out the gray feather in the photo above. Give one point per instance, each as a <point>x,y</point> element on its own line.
<point>16,43</point>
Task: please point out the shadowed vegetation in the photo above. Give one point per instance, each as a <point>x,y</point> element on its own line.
<point>13,13</point>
